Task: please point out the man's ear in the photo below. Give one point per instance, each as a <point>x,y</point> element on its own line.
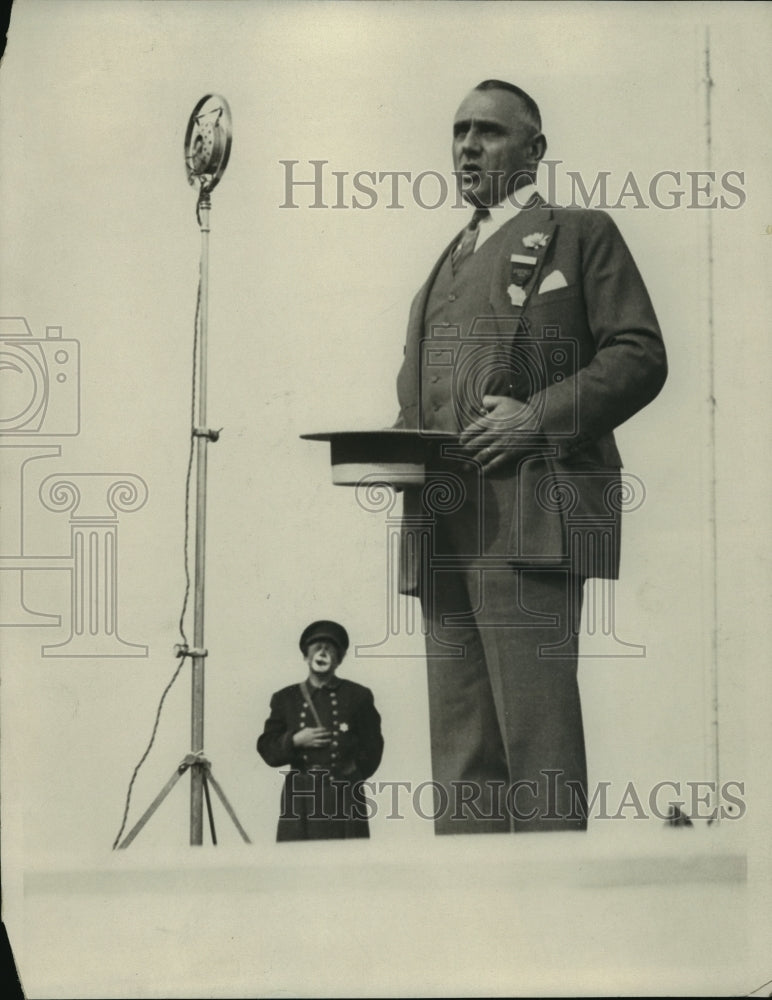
<point>538,148</point>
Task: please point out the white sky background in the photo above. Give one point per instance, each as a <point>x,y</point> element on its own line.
<point>306,326</point>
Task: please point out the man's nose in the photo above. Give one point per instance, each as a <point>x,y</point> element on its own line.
<point>470,141</point>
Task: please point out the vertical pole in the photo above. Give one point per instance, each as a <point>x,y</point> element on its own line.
<point>713,756</point>
<point>197,676</point>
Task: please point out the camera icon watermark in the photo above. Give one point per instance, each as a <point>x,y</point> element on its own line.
<point>40,400</point>
<point>39,381</point>
<point>500,356</point>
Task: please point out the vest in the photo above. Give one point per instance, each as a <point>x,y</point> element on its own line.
<point>461,361</point>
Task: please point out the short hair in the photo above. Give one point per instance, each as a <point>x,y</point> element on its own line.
<point>530,106</point>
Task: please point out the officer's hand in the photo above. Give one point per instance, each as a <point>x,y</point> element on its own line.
<point>311,736</point>
<point>503,431</point>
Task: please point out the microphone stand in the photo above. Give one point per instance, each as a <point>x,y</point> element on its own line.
<point>203,437</point>
<point>200,768</point>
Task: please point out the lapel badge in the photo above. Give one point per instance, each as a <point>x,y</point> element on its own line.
<point>535,241</point>
<point>521,269</point>
<point>516,295</point>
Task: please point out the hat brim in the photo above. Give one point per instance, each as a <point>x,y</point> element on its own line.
<point>323,635</point>
<point>394,455</point>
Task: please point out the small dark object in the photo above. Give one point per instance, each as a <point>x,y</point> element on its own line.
<point>677,818</point>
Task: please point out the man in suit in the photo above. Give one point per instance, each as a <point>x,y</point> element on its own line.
<point>327,732</point>
<point>533,338</point>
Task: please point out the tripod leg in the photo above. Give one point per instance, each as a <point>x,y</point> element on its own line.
<point>209,806</point>
<point>152,808</point>
<point>228,809</point>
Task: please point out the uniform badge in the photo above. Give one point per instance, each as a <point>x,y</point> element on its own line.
<point>343,727</point>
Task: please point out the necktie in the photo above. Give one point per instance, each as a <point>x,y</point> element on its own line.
<point>465,246</point>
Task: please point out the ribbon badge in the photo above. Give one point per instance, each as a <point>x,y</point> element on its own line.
<point>521,268</point>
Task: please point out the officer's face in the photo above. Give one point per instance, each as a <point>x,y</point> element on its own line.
<point>322,658</point>
<point>495,148</point>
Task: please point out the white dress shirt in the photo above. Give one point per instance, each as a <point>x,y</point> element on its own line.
<point>503,212</point>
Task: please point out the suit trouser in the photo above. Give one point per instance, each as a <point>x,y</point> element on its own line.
<point>506,726</point>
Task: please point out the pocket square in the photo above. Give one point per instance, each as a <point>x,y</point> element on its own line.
<point>554,280</point>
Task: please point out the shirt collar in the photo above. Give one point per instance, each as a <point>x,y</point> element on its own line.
<point>512,206</point>
<point>504,212</point>
<point>332,685</point>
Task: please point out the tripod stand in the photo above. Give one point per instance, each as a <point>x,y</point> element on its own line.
<point>207,148</point>
<point>201,774</point>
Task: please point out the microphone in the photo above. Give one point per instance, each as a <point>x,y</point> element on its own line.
<point>208,142</point>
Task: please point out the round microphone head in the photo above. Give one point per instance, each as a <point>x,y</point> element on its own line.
<point>208,142</point>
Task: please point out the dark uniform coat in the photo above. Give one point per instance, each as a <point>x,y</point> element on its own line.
<point>322,796</point>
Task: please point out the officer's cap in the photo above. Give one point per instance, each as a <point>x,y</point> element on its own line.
<point>324,630</point>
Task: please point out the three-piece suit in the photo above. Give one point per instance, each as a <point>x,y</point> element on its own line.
<point>551,310</point>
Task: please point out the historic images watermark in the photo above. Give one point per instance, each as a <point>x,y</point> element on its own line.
<point>315,184</point>
<point>461,801</point>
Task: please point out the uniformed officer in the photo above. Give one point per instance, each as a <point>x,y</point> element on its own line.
<point>327,731</point>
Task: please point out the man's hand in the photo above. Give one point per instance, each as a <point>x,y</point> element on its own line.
<point>504,431</point>
<point>311,736</point>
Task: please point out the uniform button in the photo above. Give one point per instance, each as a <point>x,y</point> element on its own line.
<point>436,407</point>
<point>451,297</point>
<point>305,756</point>
<point>334,743</point>
<point>434,378</point>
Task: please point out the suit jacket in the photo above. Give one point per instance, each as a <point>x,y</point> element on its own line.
<point>566,503</point>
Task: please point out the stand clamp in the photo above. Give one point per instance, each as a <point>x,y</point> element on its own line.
<point>180,650</point>
<point>194,760</point>
<point>206,432</point>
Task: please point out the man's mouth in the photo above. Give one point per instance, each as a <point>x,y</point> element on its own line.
<point>471,176</point>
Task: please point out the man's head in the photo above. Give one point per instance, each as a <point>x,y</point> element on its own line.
<point>497,142</point>
<point>323,644</point>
